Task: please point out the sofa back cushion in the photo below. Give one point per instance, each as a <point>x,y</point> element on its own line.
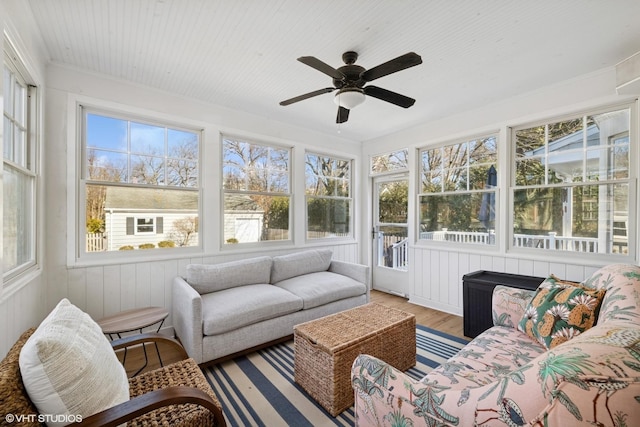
<point>622,298</point>
<point>69,368</point>
<point>216,277</point>
<point>299,263</point>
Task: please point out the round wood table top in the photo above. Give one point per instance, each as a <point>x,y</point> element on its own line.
<point>131,320</point>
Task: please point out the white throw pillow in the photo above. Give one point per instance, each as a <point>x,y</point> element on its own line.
<point>69,368</point>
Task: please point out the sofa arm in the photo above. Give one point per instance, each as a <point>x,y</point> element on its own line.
<point>357,272</point>
<point>187,318</point>
<point>509,304</point>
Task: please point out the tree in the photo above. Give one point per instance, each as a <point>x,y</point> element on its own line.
<point>183,230</point>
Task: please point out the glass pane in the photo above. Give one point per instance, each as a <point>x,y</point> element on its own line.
<point>393,247</point>
<point>106,132</point>
<point>253,218</point>
<point>530,171</point>
<point>233,178</point>
<point>20,104</point>
<point>328,217</point>
<point>106,166</point>
<point>182,173</point>
<point>114,221</point>
<point>279,159</point>
<point>577,219</point>
<point>396,160</point>
<point>18,224</point>
<point>393,200</point>
<point>147,139</point>
<point>456,179</point>
<point>454,155</point>
<point>279,182</point>
<point>182,144</point>
<point>325,176</point>
<point>530,141</point>
<point>483,151</point>
<point>431,159</point>
<point>482,177</point>
<point>462,218</point>
<point>8,98</point>
<point>566,135</point>
<point>8,145</point>
<point>147,170</point>
<point>565,166</point>
<point>20,144</point>
<point>432,182</point>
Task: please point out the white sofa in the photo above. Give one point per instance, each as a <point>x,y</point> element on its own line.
<point>222,309</point>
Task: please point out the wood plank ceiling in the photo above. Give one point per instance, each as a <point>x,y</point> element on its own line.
<point>242,54</point>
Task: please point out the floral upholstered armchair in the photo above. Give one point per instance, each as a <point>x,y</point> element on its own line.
<point>542,364</point>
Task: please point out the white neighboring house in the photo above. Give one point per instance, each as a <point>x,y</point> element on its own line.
<point>137,217</point>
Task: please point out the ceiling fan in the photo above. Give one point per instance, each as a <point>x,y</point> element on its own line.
<point>350,80</point>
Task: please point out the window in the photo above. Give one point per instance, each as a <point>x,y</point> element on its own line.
<point>572,184</point>
<point>391,162</point>
<point>256,192</point>
<point>457,199</point>
<point>140,182</point>
<point>19,168</point>
<point>328,196</point>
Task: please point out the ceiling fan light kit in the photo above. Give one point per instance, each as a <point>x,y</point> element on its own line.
<point>349,98</point>
<point>350,80</point>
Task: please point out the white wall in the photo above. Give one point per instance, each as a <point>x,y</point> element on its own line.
<point>22,304</point>
<point>436,270</point>
<point>104,288</point>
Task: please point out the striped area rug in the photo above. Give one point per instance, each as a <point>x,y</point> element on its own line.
<point>259,390</point>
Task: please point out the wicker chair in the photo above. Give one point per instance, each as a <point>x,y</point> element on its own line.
<point>174,395</point>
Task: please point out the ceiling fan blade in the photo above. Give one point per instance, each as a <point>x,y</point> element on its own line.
<point>308,95</point>
<point>343,115</point>
<point>387,95</point>
<point>314,62</point>
<point>398,64</point>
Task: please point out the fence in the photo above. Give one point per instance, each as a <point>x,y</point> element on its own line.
<point>96,242</point>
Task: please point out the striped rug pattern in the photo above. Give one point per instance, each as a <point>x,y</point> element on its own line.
<point>259,390</point>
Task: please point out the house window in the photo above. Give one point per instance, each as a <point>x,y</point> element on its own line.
<point>572,184</point>
<point>458,196</point>
<point>396,161</point>
<point>328,196</point>
<point>141,183</point>
<point>256,191</point>
<point>19,169</point>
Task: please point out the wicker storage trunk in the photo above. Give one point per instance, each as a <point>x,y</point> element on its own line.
<point>326,348</point>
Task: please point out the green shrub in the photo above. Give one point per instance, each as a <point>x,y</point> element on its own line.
<point>146,246</point>
<point>232,240</point>
<point>167,244</point>
<point>126,248</point>
<point>95,225</point>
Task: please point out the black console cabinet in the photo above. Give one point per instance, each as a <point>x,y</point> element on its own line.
<point>477,290</point>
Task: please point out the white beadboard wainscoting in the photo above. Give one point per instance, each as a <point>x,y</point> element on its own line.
<point>105,290</point>
<point>436,274</point>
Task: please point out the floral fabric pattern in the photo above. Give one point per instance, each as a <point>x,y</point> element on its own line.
<point>503,378</point>
<point>560,311</point>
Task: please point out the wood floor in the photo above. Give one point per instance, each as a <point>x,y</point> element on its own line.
<point>449,323</point>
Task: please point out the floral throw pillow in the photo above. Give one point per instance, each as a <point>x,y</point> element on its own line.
<point>559,311</point>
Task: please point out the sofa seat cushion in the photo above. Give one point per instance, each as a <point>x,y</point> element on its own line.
<point>233,308</point>
<point>323,287</point>
<point>491,355</point>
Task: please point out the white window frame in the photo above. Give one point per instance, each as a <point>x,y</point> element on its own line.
<point>492,240</point>
<point>224,244</point>
<point>350,198</point>
<point>77,255</point>
<point>631,181</point>
<point>27,167</point>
